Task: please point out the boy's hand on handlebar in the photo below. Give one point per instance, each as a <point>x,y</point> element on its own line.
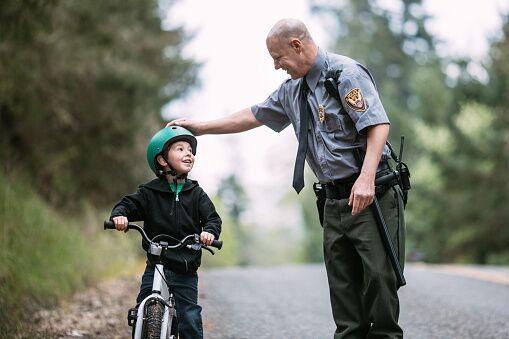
<point>207,238</point>
<point>121,223</point>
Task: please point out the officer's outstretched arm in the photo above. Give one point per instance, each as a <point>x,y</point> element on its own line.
<point>237,122</point>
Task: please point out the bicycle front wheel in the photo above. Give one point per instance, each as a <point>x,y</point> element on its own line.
<point>154,320</point>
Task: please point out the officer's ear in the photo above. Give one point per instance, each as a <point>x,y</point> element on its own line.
<point>296,44</point>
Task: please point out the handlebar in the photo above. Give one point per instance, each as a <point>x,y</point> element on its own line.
<point>110,225</point>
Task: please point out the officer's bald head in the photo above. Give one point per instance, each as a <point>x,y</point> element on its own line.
<point>287,29</point>
<point>291,47</point>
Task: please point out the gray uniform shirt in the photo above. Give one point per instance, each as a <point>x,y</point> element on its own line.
<point>343,127</point>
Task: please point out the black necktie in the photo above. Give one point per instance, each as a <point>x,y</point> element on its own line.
<point>298,171</point>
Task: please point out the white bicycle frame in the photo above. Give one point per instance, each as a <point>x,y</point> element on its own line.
<point>159,291</point>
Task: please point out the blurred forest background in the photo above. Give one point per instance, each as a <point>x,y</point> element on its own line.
<point>82,84</point>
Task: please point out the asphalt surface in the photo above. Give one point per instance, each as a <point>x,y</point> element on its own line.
<point>442,302</point>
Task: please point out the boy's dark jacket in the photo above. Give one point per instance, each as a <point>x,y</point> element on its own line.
<point>162,213</point>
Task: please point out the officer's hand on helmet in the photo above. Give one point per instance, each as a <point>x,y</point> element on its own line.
<point>192,125</point>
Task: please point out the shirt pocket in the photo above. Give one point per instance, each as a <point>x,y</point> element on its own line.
<point>332,123</point>
<point>339,127</point>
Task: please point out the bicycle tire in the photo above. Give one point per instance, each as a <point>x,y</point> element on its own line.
<point>154,320</point>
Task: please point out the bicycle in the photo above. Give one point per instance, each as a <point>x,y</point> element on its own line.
<point>156,316</point>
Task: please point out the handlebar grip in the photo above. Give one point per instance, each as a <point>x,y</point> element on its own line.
<point>109,225</point>
<point>217,244</point>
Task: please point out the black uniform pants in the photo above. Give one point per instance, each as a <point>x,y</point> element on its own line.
<point>362,283</point>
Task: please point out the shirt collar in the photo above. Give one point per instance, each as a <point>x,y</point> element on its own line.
<point>314,73</point>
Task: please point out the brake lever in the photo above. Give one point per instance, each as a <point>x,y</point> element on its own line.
<point>194,247</point>
<point>197,247</point>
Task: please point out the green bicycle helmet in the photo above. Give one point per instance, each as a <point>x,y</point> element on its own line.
<point>164,138</point>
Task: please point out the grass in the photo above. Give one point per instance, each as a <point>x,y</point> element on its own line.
<point>45,257</point>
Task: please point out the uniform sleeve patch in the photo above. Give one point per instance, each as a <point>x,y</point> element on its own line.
<point>355,100</point>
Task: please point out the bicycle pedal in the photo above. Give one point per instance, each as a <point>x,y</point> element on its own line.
<point>132,314</point>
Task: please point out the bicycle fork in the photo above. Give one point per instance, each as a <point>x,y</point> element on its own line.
<point>160,294</point>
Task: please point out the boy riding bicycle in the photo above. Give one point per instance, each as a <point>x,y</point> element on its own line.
<point>174,205</point>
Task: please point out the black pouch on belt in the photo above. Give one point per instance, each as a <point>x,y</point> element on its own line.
<point>319,190</point>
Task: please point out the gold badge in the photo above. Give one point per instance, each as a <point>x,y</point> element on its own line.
<point>355,100</point>
<point>321,113</point>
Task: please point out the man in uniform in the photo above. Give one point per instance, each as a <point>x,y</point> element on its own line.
<point>330,130</point>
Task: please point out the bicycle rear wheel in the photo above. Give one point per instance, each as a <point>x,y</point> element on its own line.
<point>154,320</point>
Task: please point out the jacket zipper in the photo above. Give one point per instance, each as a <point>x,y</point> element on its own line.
<point>176,205</point>
<point>177,214</point>
<point>179,229</point>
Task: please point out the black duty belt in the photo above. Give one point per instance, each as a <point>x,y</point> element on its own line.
<point>341,189</point>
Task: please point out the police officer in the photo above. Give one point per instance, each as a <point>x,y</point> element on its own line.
<point>363,286</point>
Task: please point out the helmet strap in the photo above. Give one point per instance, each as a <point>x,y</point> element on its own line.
<point>161,173</point>
<point>172,172</point>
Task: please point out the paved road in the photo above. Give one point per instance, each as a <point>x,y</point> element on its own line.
<point>439,302</point>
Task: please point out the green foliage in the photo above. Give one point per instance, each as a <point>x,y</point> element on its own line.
<point>277,245</point>
<point>82,87</point>
<point>465,160</point>
<point>250,244</point>
<point>311,248</point>
<point>43,256</point>
<point>231,252</point>
<point>233,202</point>
<point>474,167</point>
<point>232,196</point>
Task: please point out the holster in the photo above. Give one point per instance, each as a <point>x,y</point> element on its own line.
<point>321,196</point>
<point>404,180</point>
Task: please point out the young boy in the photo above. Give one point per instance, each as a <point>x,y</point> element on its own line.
<point>176,206</point>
